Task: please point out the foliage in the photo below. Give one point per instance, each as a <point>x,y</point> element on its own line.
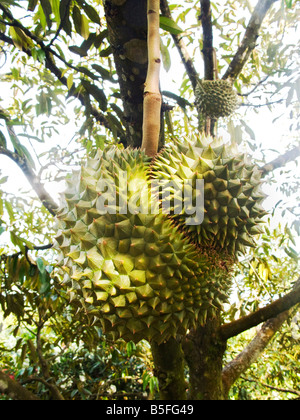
<point>264,275</point>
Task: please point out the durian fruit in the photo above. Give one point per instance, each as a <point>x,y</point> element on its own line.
<point>144,273</point>
<point>232,192</point>
<point>131,268</point>
<point>215,98</point>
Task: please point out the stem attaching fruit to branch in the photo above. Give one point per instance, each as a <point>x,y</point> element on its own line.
<point>152,95</point>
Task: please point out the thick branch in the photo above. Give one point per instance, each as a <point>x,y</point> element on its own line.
<point>181,47</point>
<point>249,41</point>
<point>283,304</point>
<point>282,160</point>
<point>34,181</point>
<point>45,367</point>
<point>169,369</point>
<point>252,352</point>
<point>14,390</point>
<point>208,50</point>
<point>276,388</point>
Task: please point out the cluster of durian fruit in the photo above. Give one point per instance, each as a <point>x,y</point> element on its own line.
<point>146,274</point>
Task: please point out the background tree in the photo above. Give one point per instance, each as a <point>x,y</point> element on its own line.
<point>79,68</point>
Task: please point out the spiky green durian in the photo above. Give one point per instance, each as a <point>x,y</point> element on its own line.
<point>232,192</point>
<point>145,273</point>
<point>215,98</point>
<point>133,270</point>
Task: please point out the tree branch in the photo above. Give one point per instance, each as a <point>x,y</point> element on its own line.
<point>44,365</point>
<point>282,160</point>
<point>283,304</point>
<point>286,390</point>
<point>249,41</point>
<point>51,65</point>
<point>208,50</point>
<point>252,352</point>
<point>181,47</point>
<point>34,181</point>
<point>255,348</point>
<point>14,390</point>
<point>209,55</point>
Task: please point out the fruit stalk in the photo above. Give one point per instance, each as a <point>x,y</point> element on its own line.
<point>152,95</point>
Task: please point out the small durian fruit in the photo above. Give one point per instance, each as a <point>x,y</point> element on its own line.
<point>215,98</point>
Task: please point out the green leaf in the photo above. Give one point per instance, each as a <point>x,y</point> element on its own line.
<point>165,56</point>
<point>169,25</point>
<point>40,265</point>
<point>90,11</point>
<point>106,52</point>
<point>153,384</point>
<point>115,125</point>
<point>55,9</point>
<point>70,81</point>
<point>290,96</point>
<point>27,155</point>
<point>47,9</point>
<point>297,87</point>
<point>292,253</point>
<point>3,179</point>
<point>81,23</point>
<point>32,5</point>
<point>64,10</point>
<point>289,4</point>
<point>44,105</point>
<point>130,348</point>
<point>2,140</point>
<point>146,378</point>
<point>87,72</point>
<point>103,72</point>
<point>182,102</point>
<point>78,50</point>
<point>97,93</point>
<point>248,130</point>
<point>20,39</point>
<point>31,137</point>
<point>41,55</point>
<point>85,29</point>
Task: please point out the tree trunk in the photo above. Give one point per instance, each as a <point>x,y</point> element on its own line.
<point>169,369</point>
<point>127,30</point>
<point>204,355</point>
<point>14,390</point>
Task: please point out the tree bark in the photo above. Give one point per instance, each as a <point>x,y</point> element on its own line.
<point>234,328</point>
<point>14,390</point>
<point>248,43</point>
<point>33,179</point>
<point>289,156</point>
<point>204,353</point>
<point>127,29</point>
<point>169,369</point>
<point>252,352</point>
<point>181,47</point>
<point>210,60</point>
<point>208,50</point>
